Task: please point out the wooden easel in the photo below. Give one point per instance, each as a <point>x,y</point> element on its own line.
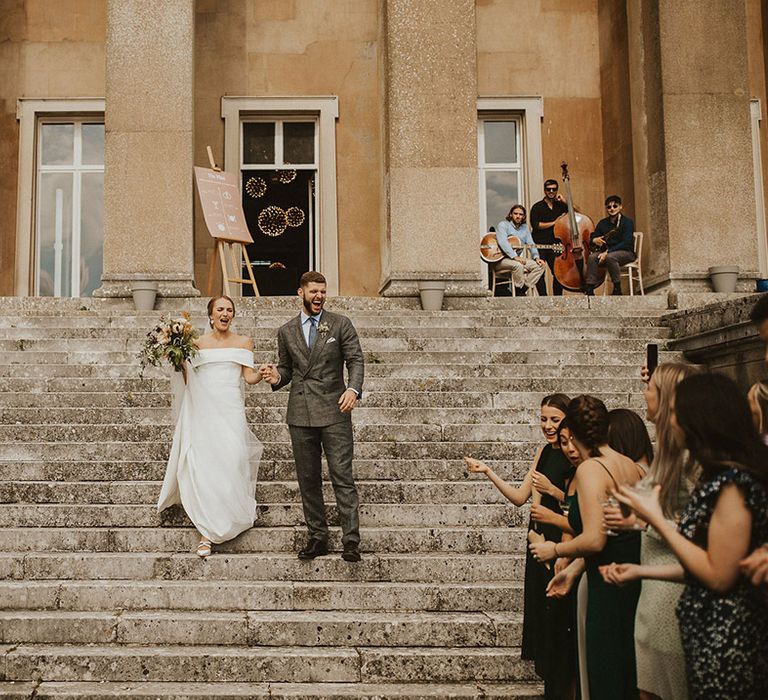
<point>236,248</point>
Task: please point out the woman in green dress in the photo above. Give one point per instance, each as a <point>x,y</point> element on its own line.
<point>547,623</point>
<point>610,610</point>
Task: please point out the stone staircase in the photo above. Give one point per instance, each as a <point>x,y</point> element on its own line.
<point>101,597</point>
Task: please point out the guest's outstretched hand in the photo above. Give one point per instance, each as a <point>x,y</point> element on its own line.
<point>619,574</point>
<point>645,504</point>
<point>561,583</point>
<point>755,566</point>
<point>476,466</point>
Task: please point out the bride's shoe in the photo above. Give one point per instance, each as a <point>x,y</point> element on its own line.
<point>204,549</point>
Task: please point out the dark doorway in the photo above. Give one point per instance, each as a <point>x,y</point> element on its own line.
<point>279,210</point>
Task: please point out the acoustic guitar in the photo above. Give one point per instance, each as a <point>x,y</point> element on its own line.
<point>491,253</point>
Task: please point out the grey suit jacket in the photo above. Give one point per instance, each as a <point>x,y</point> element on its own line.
<point>317,377</point>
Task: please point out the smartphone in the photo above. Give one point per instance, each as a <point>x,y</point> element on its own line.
<point>651,357</point>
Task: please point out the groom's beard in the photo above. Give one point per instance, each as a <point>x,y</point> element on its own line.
<point>308,307</point>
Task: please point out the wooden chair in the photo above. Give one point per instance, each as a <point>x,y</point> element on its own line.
<point>633,270</point>
<point>504,277</point>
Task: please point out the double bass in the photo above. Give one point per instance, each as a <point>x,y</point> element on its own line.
<point>573,231</point>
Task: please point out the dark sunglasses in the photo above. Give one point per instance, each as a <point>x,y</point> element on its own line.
<point>550,189</point>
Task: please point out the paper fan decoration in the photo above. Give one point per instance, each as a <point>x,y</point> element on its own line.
<point>256,187</point>
<point>272,221</point>
<point>286,176</point>
<point>294,217</point>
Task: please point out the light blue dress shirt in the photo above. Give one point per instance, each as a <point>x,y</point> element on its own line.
<point>305,325</point>
<point>505,229</point>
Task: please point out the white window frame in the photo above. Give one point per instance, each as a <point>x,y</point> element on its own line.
<point>279,164</point>
<point>29,113</point>
<point>78,169</point>
<point>325,110</point>
<point>529,110</point>
<point>484,168</point>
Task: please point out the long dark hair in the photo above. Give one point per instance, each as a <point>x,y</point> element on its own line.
<point>588,421</point>
<point>717,425</point>
<point>558,401</point>
<point>628,435</point>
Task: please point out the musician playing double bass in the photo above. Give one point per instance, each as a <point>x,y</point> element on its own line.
<point>612,244</point>
<point>543,216</point>
<point>525,271</point>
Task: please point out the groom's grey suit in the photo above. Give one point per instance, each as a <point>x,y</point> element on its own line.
<point>314,418</point>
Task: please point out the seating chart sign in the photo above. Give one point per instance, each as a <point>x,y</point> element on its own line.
<point>222,209</point>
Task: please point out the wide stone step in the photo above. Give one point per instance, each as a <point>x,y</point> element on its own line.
<point>132,451</point>
<point>104,690</point>
<point>479,490</point>
<point>263,628</point>
<point>264,664</point>
<point>513,400</point>
<point>271,433</point>
<point>388,376</point>
<point>127,361</point>
<point>262,567</point>
<point>223,595</point>
<point>269,515</point>
<point>126,335</point>
<point>568,379</point>
<point>403,540</point>
<point>513,466</point>
<point>259,417</point>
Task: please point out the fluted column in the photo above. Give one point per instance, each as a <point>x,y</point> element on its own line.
<point>148,150</point>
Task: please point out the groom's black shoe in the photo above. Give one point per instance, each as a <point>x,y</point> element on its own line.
<point>351,552</point>
<point>314,548</point>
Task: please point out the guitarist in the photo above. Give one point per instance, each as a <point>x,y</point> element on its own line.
<point>612,244</point>
<point>525,271</point>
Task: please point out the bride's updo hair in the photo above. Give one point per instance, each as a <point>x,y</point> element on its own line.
<point>212,301</point>
<point>587,419</point>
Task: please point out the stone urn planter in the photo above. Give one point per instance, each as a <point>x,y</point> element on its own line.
<point>724,278</point>
<point>144,294</point>
<point>432,293</point>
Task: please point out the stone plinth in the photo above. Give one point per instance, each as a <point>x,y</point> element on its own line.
<point>148,150</point>
<point>431,198</point>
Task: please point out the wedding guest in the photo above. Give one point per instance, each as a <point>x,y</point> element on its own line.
<point>547,624</point>
<point>610,610</point>
<point>658,649</point>
<point>628,435</point>
<point>214,458</point>
<point>758,404</point>
<point>723,618</point>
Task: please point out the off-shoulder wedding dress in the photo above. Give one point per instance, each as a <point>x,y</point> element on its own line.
<point>214,459</point>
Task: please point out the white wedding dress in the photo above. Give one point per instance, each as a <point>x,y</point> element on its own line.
<point>214,459</point>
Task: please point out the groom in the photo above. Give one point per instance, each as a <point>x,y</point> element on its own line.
<point>312,350</point>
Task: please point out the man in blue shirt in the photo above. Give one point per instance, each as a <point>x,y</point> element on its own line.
<point>525,271</point>
<point>615,235</point>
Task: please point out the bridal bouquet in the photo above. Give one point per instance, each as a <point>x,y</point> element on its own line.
<point>172,340</point>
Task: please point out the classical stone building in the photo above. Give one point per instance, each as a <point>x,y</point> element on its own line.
<point>395,131</point>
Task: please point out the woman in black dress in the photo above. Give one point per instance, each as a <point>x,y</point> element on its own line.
<point>723,618</point>
<point>547,623</point>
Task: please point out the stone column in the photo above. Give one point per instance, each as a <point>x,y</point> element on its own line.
<point>431,205</point>
<point>692,144</point>
<point>148,151</point>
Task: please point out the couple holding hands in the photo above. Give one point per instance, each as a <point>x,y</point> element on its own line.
<point>212,468</point>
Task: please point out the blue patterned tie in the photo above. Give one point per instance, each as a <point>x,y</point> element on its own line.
<point>312,331</point>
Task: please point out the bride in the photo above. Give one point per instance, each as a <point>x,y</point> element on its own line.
<point>214,457</point>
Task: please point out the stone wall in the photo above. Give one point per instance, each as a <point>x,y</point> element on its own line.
<point>47,49</point>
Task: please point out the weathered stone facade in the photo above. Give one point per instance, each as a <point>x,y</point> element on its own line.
<point>650,100</point>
